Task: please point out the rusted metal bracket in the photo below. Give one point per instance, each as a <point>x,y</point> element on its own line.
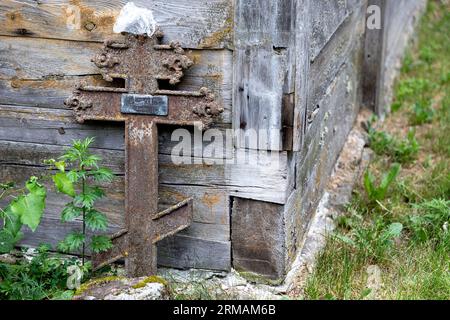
<point>140,62</point>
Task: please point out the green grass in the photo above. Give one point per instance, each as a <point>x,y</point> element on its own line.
<point>406,232</point>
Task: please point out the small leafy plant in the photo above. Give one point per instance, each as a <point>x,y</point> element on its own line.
<point>412,87</point>
<point>378,192</point>
<point>408,62</point>
<point>372,240</point>
<point>432,221</point>
<point>80,183</point>
<point>41,277</point>
<point>427,54</point>
<point>25,209</point>
<point>402,151</point>
<point>406,150</point>
<point>421,113</point>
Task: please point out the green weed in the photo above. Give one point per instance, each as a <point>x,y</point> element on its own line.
<point>43,277</point>
<point>378,192</point>
<point>402,151</point>
<point>421,113</point>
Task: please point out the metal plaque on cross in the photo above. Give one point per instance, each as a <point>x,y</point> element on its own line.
<point>139,63</point>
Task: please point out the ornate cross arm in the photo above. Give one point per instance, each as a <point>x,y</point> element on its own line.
<point>168,107</point>
<point>159,227</point>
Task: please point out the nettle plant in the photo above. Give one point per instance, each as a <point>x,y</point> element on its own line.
<point>78,177</point>
<point>26,208</point>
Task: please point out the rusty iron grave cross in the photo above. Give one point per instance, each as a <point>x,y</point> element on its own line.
<point>140,62</point>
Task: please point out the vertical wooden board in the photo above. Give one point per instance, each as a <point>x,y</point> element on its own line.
<point>373,57</point>
<point>253,18</point>
<point>302,61</point>
<point>284,23</point>
<point>384,50</point>
<point>257,236</point>
<point>400,17</point>
<point>263,33</point>
<point>258,97</point>
<point>195,23</point>
<point>259,22</point>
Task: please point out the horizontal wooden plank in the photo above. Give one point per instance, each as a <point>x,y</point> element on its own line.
<point>47,137</point>
<point>248,174</point>
<point>179,251</point>
<point>44,233</point>
<point>340,49</point>
<point>194,23</point>
<point>34,154</point>
<point>43,58</point>
<point>50,92</point>
<point>211,205</point>
<point>56,127</point>
<point>344,50</point>
<point>205,231</point>
<point>112,205</point>
<point>338,108</point>
<point>209,184</point>
<point>210,208</point>
<point>52,231</point>
<point>185,252</point>
<point>44,72</point>
<point>326,17</point>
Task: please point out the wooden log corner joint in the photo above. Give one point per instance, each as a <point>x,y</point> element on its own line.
<point>139,63</point>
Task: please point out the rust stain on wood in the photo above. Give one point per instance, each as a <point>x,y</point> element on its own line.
<point>220,36</point>
<point>216,38</point>
<point>16,24</point>
<point>90,19</point>
<point>211,200</point>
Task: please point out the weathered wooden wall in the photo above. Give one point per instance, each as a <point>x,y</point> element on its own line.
<point>290,68</point>
<point>385,48</point>
<point>322,45</point>
<point>327,43</point>
<point>45,52</point>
